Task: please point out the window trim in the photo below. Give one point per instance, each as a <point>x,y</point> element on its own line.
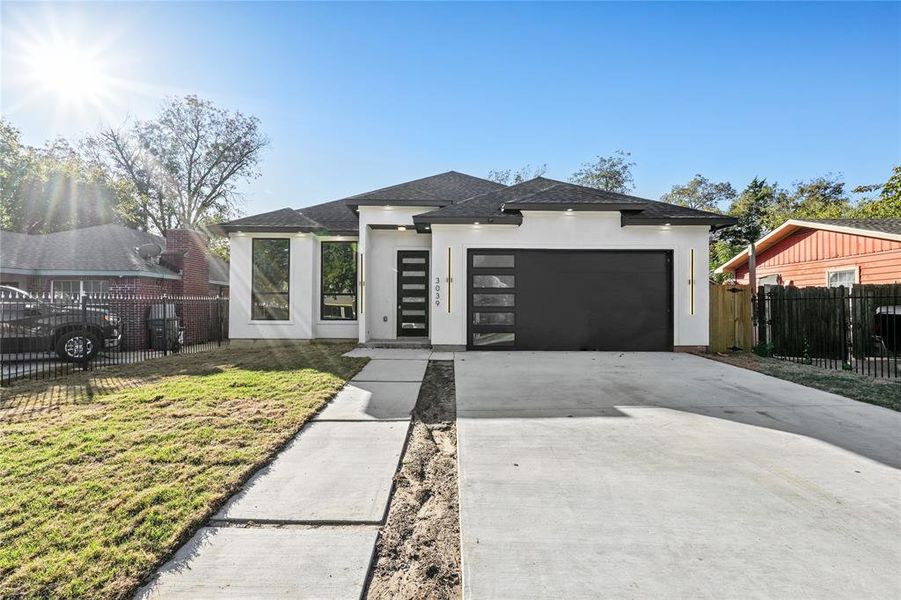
<point>253,242</point>
<point>81,283</point>
<point>356,292</point>
<point>842,269</point>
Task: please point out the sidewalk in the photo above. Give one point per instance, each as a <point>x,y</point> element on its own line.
<point>305,526</point>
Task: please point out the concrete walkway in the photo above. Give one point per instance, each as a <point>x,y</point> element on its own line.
<point>618,475</point>
<point>305,526</point>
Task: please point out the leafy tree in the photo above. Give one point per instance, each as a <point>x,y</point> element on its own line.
<point>511,177</point>
<point>700,193</point>
<point>722,250</point>
<point>752,208</point>
<point>822,197</point>
<point>610,173</point>
<point>51,188</point>
<point>888,204</point>
<point>184,165</point>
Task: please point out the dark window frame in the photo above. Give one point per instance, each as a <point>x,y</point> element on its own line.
<point>322,291</point>
<point>267,316</point>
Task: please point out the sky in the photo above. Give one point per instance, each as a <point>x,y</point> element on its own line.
<point>358,96</point>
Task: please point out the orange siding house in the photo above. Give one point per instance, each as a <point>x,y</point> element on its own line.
<point>825,253</point>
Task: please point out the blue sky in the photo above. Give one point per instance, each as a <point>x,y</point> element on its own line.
<point>358,96</point>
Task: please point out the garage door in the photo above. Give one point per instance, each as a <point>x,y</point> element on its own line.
<point>570,300</point>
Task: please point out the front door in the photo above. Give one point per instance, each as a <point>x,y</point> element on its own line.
<point>412,293</point>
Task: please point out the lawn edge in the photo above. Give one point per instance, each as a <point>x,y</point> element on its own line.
<point>193,528</point>
<point>723,360</point>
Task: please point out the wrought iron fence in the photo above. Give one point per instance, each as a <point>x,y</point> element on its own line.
<point>856,329</point>
<point>43,335</point>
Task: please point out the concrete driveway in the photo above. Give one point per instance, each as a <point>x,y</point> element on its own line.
<point>638,475</point>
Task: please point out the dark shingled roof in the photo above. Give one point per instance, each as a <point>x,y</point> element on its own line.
<point>100,249</point>
<point>540,193</point>
<point>892,226</point>
<point>437,190</point>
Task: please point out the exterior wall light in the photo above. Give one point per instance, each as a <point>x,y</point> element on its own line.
<point>476,223</point>
<point>569,210</point>
<point>401,228</point>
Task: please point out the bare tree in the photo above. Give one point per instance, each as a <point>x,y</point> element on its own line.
<point>185,164</point>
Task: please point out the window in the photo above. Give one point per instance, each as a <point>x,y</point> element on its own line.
<point>338,284</point>
<point>845,277</point>
<point>72,289</point>
<point>271,277</point>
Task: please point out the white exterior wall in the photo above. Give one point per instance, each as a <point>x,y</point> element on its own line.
<point>304,283</point>
<point>576,230</point>
<point>379,249</point>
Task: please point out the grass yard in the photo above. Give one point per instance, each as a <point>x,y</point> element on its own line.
<point>104,474</point>
<point>881,392</point>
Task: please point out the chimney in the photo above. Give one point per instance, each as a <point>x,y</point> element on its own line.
<point>186,253</point>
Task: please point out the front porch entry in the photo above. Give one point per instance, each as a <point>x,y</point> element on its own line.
<point>412,294</point>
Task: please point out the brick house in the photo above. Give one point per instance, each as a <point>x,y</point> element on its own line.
<point>105,259</point>
<point>825,253</point>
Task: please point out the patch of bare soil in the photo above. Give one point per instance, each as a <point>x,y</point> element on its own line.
<point>418,549</point>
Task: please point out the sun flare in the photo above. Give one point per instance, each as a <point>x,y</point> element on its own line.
<point>68,71</point>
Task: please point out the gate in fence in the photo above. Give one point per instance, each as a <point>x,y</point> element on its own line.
<point>731,323</point>
<point>856,328</point>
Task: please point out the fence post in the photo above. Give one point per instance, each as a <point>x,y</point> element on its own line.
<point>165,325</point>
<point>219,319</point>
<point>761,317</point>
<point>84,332</point>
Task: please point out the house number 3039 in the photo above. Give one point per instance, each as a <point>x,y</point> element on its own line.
<point>437,291</point>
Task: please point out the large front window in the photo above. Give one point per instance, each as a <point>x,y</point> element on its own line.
<point>339,281</point>
<point>271,276</point>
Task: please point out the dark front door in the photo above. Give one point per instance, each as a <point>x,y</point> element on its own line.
<point>412,293</point>
<point>570,300</point>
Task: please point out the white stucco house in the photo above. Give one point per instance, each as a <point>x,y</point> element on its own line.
<point>456,261</point>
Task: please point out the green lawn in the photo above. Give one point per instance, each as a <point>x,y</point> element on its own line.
<point>881,392</point>
<point>105,474</point>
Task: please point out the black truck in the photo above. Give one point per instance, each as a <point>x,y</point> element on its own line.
<point>29,324</point>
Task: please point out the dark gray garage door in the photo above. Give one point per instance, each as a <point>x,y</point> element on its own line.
<point>570,300</point>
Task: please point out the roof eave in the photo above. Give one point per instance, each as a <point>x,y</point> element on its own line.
<point>713,222</point>
<point>507,219</point>
<point>355,204</point>
<point>573,206</point>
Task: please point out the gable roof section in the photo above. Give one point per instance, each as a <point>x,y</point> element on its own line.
<point>560,195</point>
<point>436,190</point>
<point>540,193</point>
<point>888,229</point>
<point>102,251</point>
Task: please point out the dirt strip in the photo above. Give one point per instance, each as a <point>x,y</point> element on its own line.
<point>418,549</point>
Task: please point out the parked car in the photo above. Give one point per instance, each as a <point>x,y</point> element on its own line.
<point>30,324</point>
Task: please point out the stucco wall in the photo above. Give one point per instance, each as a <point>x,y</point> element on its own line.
<point>585,230</point>
<point>300,322</point>
<point>379,248</point>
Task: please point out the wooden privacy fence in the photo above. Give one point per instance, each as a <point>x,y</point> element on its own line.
<point>731,318</point>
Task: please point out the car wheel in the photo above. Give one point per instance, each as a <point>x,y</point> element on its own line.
<point>75,346</point>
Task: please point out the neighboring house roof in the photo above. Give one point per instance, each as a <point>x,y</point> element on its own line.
<point>461,198</point>
<point>888,229</point>
<point>102,250</point>
<point>218,270</point>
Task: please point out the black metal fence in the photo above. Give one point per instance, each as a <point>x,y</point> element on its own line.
<point>43,335</point>
<point>856,329</point>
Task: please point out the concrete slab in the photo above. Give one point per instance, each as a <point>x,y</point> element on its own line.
<point>442,356</point>
<point>392,370</point>
<point>331,472</point>
<point>230,562</point>
<point>372,401</point>
<point>391,353</point>
<point>665,475</point>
